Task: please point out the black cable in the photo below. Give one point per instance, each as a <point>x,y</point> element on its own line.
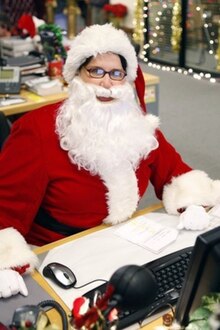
<point>59,308</point>
<point>97,280</point>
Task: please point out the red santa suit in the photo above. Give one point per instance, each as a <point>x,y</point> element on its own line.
<point>35,171</point>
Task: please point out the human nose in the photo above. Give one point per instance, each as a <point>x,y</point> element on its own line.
<point>106,81</point>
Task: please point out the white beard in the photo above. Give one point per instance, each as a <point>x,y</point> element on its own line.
<point>108,139</point>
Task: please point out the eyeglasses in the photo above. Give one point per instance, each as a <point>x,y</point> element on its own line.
<point>99,73</point>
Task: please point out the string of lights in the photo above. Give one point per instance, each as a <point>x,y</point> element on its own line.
<point>151,38</point>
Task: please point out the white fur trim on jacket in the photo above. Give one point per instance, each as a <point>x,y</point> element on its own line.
<point>121,181</point>
<point>191,188</point>
<point>100,39</point>
<point>14,251</point>
<point>122,196</point>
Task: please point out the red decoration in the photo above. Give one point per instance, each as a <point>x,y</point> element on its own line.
<point>26,25</point>
<point>21,269</point>
<point>55,68</point>
<point>92,317</point>
<point>117,10</point>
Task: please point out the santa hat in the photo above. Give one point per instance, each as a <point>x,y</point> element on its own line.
<point>140,89</point>
<point>26,24</point>
<point>100,39</point>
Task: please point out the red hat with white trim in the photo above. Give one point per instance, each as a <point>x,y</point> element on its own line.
<point>100,39</point>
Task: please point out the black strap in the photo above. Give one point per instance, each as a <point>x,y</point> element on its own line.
<point>5,128</point>
<point>45,220</point>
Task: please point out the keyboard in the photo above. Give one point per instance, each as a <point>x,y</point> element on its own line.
<point>169,272</point>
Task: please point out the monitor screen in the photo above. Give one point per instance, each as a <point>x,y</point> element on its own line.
<point>203,275</point>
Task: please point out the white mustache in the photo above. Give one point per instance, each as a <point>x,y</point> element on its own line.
<point>114,92</point>
<point>88,91</point>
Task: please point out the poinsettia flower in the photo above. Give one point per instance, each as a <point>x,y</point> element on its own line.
<point>117,10</point>
<point>92,317</point>
<point>80,307</point>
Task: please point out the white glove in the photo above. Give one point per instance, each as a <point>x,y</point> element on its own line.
<point>11,283</point>
<point>194,218</point>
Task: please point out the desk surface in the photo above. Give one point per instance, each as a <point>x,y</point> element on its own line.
<point>34,101</point>
<point>40,280</point>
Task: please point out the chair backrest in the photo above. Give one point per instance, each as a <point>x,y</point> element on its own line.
<point>5,128</point>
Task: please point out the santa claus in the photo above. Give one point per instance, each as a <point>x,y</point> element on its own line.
<point>71,166</point>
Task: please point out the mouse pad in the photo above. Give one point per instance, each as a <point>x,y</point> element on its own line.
<point>36,294</point>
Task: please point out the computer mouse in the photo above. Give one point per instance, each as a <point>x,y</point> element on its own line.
<point>60,274</point>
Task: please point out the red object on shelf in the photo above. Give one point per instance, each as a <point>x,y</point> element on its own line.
<point>118,10</point>
<point>55,68</point>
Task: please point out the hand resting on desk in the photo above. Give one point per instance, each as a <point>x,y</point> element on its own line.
<point>194,217</point>
<point>16,259</point>
<point>11,283</point>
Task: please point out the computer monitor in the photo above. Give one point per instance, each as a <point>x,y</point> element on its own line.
<point>202,277</point>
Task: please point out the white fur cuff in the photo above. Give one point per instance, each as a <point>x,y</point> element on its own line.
<point>191,188</point>
<point>14,251</point>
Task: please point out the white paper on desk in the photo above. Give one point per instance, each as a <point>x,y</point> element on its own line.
<point>100,254</point>
<point>148,233</point>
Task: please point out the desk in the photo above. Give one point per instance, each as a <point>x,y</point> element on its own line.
<point>35,101</point>
<point>53,315</point>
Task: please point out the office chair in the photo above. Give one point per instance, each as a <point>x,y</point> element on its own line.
<point>5,128</point>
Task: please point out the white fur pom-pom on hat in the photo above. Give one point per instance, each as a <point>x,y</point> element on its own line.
<point>100,39</point>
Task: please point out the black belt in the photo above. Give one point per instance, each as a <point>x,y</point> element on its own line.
<point>45,220</point>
